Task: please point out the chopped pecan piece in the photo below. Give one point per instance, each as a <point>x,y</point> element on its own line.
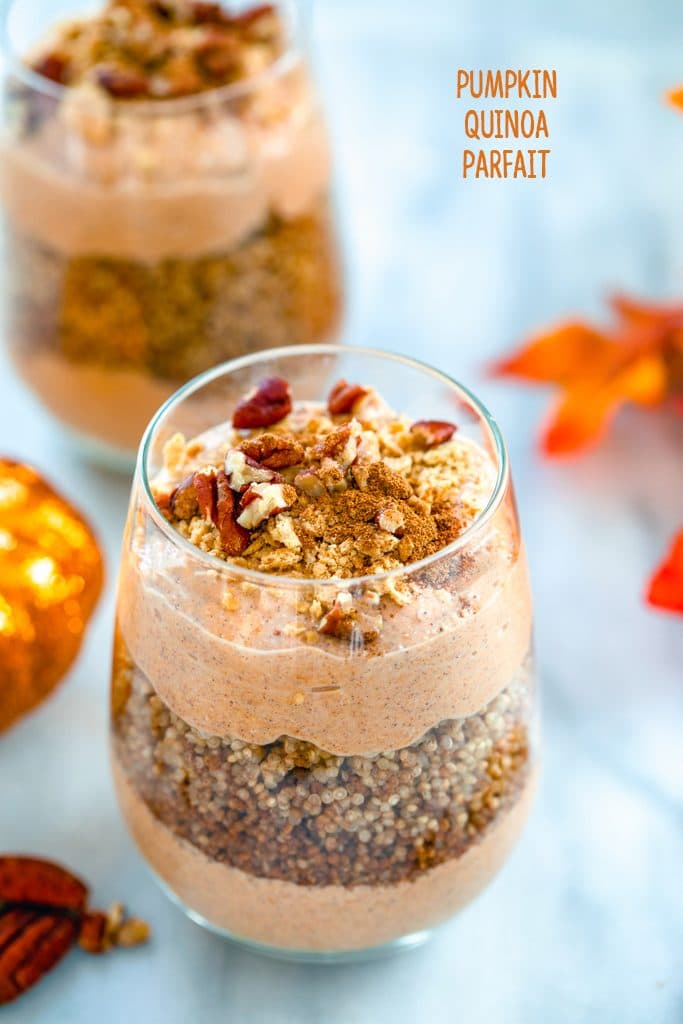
<point>268,404</point>
<point>337,622</point>
<point>248,18</point>
<point>132,932</point>
<point>275,451</point>
<point>234,537</point>
<point>346,623</point>
<point>218,54</point>
<point>91,937</point>
<point>344,396</point>
<point>340,445</point>
<point>332,477</point>
<point>101,932</point>
<point>392,520</point>
<point>433,432</point>
<point>243,471</point>
<point>204,12</point>
<point>196,495</point>
<point>163,503</point>
<point>310,483</point>
<point>121,83</point>
<point>163,9</point>
<point>51,66</point>
<point>261,501</point>
<point>183,501</point>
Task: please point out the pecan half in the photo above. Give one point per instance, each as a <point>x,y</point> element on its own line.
<point>274,451</point>
<point>121,83</point>
<point>344,396</point>
<point>31,944</point>
<point>43,911</point>
<point>234,537</point>
<point>268,404</point>
<point>29,880</point>
<point>433,432</point>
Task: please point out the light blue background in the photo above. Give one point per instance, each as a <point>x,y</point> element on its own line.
<point>586,921</point>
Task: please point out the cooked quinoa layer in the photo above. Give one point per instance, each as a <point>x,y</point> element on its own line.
<point>177,317</point>
<point>291,811</point>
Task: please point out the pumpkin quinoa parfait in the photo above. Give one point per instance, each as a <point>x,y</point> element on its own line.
<point>165,177</point>
<point>323,703</point>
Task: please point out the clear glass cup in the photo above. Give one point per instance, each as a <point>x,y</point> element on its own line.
<point>313,797</point>
<point>147,241</point>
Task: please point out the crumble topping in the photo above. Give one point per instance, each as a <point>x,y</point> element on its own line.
<point>161,49</point>
<point>323,495</point>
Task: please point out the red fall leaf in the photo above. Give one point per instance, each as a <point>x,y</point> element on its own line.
<point>638,359</point>
<point>665,589</point>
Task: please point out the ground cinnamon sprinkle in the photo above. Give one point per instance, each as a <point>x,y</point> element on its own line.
<point>357,516</point>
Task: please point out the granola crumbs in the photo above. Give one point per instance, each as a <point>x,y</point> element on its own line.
<point>159,49</point>
<point>361,494</point>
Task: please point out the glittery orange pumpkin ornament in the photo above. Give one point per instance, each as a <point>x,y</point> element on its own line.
<point>50,580</point>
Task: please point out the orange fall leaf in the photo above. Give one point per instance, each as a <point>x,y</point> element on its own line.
<point>555,356</point>
<point>638,360</point>
<point>675,97</point>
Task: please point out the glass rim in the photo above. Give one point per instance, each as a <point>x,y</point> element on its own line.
<point>258,577</point>
<point>290,58</point>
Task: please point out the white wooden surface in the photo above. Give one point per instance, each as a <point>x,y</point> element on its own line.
<point>586,921</point>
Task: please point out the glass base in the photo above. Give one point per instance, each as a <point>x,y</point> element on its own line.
<point>303,956</point>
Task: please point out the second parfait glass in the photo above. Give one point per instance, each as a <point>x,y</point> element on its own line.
<point>147,240</point>
<point>311,796</point>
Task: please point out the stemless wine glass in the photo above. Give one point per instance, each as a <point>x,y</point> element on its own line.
<point>149,240</point>
<point>309,796</point>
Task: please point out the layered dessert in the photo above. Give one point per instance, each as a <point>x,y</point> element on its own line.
<point>166,185</point>
<point>323,706</point>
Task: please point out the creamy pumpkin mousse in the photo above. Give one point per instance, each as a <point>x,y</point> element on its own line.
<point>166,189</point>
<point>322,700</point>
